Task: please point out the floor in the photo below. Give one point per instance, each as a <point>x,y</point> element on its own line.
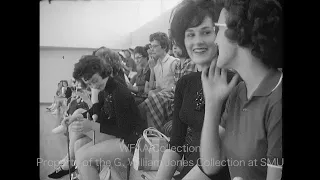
<point>53,147</point>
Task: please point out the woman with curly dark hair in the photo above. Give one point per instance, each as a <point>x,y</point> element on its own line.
<point>118,123</point>
<point>249,137</point>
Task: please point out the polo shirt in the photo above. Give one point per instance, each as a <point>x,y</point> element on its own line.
<point>164,72</point>
<point>253,128</point>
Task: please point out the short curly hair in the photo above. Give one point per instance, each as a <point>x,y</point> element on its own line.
<point>190,14</point>
<point>162,38</point>
<point>109,57</point>
<point>88,65</point>
<point>256,24</point>
<point>141,50</point>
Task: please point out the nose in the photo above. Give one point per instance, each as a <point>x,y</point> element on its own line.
<point>198,39</point>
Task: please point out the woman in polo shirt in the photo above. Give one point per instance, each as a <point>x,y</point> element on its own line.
<point>249,138</point>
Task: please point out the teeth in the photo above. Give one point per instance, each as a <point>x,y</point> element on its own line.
<point>199,50</point>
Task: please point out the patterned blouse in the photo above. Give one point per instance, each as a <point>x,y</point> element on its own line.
<point>184,68</point>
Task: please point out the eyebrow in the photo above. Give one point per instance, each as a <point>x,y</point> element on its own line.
<point>206,27</point>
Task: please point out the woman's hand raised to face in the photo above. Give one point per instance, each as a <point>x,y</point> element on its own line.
<point>214,83</point>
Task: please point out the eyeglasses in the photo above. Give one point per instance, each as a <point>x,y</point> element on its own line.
<point>217,26</point>
<point>220,24</point>
<point>153,46</point>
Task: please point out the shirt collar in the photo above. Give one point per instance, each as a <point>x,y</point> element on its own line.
<point>269,82</point>
<point>166,57</point>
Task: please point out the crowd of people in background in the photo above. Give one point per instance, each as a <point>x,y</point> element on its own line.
<point>220,62</point>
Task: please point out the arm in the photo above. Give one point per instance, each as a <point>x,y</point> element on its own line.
<point>178,134</point>
<point>123,114</point>
<point>210,144</point>
<point>152,79</point>
<point>274,137</point>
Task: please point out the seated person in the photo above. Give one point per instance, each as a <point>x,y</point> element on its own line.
<point>137,83</point>
<point>129,64</point>
<point>196,35</point>
<point>157,109</point>
<point>112,58</point>
<point>63,97</point>
<point>58,92</point>
<point>250,128</point>
<point>162,65</point>
<point>118,124</point>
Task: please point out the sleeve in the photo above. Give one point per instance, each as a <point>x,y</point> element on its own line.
<point>179,128</point>
<point>274,135</point>
<point>123,115</point>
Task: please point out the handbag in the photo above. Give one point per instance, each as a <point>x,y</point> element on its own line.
<point>149,150</point>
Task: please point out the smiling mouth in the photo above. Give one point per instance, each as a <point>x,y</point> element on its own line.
<point>200,50</point>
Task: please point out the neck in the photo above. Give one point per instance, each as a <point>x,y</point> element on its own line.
<point>182,59</point>
<point>161,57</point>
<point>251,70</point>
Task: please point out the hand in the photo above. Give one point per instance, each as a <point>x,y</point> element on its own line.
<point>83,125</point>
<point>152,63</point>
<point>214,83</point>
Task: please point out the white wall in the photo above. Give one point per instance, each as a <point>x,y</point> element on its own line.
<point>54,68</point>
<point>141,35</point>
<point>88,24</point>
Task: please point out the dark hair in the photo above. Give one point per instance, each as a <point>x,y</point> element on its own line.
<point>147,47</point>
<point>109,57</point>
<point>184,51</point>
<point>256,24</point>
<point>88,65</point>
<point>162,38</point>
<point>62,81</point>
<point>191,14</point>
<point>141,50</point>
<point>126,50</point>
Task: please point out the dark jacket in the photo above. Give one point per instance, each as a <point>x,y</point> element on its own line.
<point>117,112</point>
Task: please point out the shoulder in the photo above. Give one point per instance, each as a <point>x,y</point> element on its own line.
<point>189,79</point>
<point>275,98</point>
<point>122,93</point>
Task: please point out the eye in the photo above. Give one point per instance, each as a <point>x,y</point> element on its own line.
<point>207,32</point>
<point>189,34</point>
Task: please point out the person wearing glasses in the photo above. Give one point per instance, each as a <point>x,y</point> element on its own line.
<point>161,64</point>
<point>192,28</point>
<point>248,134</point>
<point>156,108</point>
<point>137,83</point>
